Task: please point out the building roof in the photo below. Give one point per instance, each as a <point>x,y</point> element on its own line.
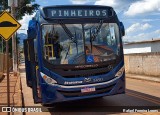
<point>140,42</point>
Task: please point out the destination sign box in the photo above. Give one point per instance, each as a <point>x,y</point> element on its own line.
<point>77,13</point>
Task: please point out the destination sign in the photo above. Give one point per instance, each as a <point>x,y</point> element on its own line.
<point>77,13</point>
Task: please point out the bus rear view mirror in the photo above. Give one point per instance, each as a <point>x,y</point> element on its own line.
<point>122,29</point>
<point>32,29</point>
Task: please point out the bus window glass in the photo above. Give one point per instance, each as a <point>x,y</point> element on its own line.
<point>65,43</point>
<point>62,46</point>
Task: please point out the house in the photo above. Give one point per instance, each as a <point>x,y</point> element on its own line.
<point>142,46</point>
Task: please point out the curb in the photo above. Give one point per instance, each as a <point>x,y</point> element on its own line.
<point>20,102</point>
<point>20,91</point>
<point>142,77</point>
<point>20,94</point>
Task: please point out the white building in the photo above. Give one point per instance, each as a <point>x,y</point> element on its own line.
<point>142,46</point>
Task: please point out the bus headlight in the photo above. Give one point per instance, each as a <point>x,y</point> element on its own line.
<point>120,72</point>
<point>47,79</point>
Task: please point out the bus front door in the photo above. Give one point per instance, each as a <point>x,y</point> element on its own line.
<point>31,65</point>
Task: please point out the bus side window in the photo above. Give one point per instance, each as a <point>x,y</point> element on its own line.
<point>49,53</point>
<point>112,33</point>
<point>108,37</point>
<point>52,46</point>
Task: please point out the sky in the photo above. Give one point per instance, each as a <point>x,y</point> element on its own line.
<point>141,18</point>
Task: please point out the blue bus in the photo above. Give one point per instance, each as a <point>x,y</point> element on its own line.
<point>74,52</point>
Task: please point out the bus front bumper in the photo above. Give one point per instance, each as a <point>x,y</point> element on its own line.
<point>59,93</point>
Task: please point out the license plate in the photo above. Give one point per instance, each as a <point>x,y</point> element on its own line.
<point>88,89</point>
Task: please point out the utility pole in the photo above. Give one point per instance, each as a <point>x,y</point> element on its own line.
<point>13,4</point>
<point>8,80</point>
<point>14,48</point>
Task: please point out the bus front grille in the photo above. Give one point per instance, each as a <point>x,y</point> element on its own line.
<point>85,72</point>
<point>79,93</point>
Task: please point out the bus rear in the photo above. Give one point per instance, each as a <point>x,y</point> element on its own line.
<point>77,53</point>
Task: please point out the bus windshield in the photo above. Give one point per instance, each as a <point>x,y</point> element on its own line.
<point>80,43</point>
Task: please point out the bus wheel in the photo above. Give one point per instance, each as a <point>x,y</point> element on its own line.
<point>29,84</point>
<point>101,97</point>
<point>49,105</point>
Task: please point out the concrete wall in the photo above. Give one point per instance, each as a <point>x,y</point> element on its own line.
<point>143,64</point>
<point>155,47</point>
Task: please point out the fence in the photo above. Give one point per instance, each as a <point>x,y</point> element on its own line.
<point>3,64</point>
<point>143,64</point>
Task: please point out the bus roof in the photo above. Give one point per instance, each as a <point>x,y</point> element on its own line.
<point>77,6</point>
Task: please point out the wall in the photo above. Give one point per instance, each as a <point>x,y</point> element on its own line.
<point>155,47</point>
<point>3,63</point>
<point>143,64</point>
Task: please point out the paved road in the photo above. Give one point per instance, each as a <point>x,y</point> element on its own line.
<point>138,93</point>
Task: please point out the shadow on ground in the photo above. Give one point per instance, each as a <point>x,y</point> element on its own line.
<point>108,104</point>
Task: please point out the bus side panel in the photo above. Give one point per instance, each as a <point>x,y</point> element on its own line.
<point>33,71</point>
<point>27,64</point>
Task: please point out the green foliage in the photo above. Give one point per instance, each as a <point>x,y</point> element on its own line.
<point>3,48</point>
<point>9,44</point>
<point>26,10</point>
<point>2,45</point>
<point>21,10</point>
<point>4,4</point>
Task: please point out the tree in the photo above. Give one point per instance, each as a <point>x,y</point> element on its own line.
<point>3,4</point>
<point>21,10</point>
<point>26,10</point>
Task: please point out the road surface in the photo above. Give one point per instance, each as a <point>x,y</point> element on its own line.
<point>138,93</point>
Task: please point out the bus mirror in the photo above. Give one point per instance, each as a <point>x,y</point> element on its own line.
<point>122,29</point>
<point>31,33</point>
<point>32,29</point>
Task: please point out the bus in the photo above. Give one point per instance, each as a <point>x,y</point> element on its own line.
<point>74,52</point>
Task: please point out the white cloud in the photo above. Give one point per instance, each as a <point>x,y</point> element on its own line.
<point>142,7</point>
<point>24,22</point>
<point>137,32</point>
<point>81,1</point>
<point>145,26</point>
<point>150,20</point>
<point>137,27</point>
<point>118,5</point>
<point>157,32</point>
<point>112,3</point>
<point>143,36</point>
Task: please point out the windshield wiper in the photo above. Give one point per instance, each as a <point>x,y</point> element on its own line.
<point>67,51</point>
<point>70,35</point>
<point>91,40</point>
<point>92,37</point>
<point>97,30</point>
<point>76,41</point>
